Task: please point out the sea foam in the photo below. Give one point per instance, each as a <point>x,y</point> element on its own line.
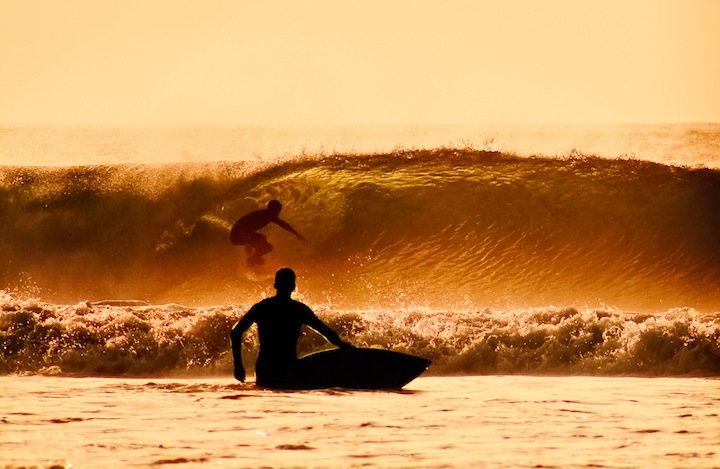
<point>160,340</point>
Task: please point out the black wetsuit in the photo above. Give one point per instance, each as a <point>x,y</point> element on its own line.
<point>279,321</point>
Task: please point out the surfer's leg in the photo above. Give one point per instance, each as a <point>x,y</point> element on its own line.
<point>279,376</point>
<point>251,241</point>
<point>239,237</point>
<point>263,247</point>
<point>260,247</point>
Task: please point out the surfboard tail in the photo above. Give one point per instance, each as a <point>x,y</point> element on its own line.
<point>360,368</point>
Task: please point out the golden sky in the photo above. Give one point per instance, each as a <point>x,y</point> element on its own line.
<point>211,62</point>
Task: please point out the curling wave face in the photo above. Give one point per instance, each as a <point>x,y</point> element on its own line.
<point>441,228</point>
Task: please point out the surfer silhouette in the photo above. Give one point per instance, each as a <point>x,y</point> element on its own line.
<point>278,320</point>
<point>244,232</point>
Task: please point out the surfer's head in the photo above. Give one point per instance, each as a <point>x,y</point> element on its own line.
<point>285,281</point>
<point>274,207</point>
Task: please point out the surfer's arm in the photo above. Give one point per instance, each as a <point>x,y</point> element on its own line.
<point>286,226</point>
<point>315,323</point>
<point>236,342</point>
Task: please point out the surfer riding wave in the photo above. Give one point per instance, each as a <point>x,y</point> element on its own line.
<point>244,232</point>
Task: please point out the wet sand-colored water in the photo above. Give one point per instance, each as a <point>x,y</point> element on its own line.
<point>482,421</point>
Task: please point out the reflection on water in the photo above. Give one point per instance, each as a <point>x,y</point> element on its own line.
<point>501,421</point>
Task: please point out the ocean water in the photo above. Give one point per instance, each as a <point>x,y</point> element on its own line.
<point>479,421</point>
<point>565,282</point>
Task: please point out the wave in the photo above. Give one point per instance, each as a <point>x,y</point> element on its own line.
<point>440,228</point>
<point>89,339</point>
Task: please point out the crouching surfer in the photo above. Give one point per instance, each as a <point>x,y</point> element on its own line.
<point>278,320</point>
<point>244,232</point>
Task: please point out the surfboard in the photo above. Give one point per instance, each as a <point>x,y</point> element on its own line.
<point>259,272</point>
<point>259,275</point>
<point>359,368</point>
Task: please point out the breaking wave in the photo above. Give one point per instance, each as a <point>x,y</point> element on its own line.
<point>103,339</point>
<point>440,228</point>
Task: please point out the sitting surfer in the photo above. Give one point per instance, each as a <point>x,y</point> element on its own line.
<point>278,320</point>
<point>244,232</point>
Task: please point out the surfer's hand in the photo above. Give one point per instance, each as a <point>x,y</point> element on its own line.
<point>240,373</point>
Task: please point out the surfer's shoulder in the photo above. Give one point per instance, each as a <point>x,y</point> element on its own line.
<point>264,303</point>
<point>301,307</point>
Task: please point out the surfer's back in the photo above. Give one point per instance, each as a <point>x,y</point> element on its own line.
<point>279,321</point>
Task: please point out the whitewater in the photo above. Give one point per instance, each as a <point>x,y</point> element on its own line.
<point>569,302</point>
